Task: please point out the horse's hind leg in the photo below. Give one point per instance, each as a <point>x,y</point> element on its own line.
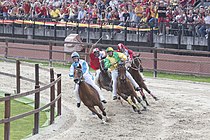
<point>153,96</point>
<point>96,112</point>
<point>144,97</point>
<point>103,112</point>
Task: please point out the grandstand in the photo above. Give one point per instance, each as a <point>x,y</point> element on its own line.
<point>165,17</point>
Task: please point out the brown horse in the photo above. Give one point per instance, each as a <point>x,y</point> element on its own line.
<point>105,79</point>
<point>88,95</point>
<point>135,69</point>
<point>125,88</point>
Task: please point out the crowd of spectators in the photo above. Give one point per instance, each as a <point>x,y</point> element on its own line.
<point>144,13</point>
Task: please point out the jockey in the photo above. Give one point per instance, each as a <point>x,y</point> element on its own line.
<point>86,74</point>
<point>111,61</point>
<point>129,53</point>
<point>123,49</point>
<point>95,57</point>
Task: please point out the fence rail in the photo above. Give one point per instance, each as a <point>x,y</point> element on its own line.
<point>155,59</point>
<point>37,91</point>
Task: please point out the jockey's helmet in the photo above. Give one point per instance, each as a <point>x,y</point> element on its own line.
<point>121,46</point>
<point>96,50</point>
<point>109,49</point>
<point>75,54</point>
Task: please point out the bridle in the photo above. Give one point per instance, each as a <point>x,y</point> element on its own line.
<point>135,66</point>
<point>80,79</point>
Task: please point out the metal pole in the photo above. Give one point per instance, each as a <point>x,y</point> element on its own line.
<point>50,54</point>
<point>125,33</point>
<point>58,93</point>
<point>155,62</point>
<point>101,30</point>
<point>7,116</point>
<point>55,32</point>
<point>52,97</point>
<point>18,76</point>
<point>6,49</point>
<point>37,101</point>
<point>208,41</point>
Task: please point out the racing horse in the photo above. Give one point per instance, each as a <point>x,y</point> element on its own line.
<point>88,95</point>
<point>135,69</point>
<point>125,88</point>
<point>105,79</point>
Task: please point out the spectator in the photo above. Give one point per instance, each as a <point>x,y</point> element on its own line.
<point>161,16</point>
<point>55,13</point>
<point>203,29</point>
<point>81,15</point>
<point>27,8</point>
<point>64,12</point>
<point>5,9</point>
<point>153,15</point>
<point>138,11</point>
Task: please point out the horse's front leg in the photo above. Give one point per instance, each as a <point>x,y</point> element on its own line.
<point>130,102</point>
<point>120,95</point>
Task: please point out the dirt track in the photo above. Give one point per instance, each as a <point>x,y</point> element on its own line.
<point>182,112</point>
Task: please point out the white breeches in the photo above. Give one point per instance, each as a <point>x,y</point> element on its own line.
<point>97,76</point>
<point>89,80</point>
<point>114,79</point>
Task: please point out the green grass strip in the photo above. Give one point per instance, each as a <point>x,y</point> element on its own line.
<point>146,73</point>
<point>179,77</point>
<point>22,127</point>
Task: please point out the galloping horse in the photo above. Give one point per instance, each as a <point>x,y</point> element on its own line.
<point>126,89</point>
<point>88,95</point>
<point>105,79</point>
<point>134,70</point>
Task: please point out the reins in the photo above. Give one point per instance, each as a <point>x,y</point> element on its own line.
<point>137,68</point>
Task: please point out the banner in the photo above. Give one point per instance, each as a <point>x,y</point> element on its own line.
<point>72,24</point>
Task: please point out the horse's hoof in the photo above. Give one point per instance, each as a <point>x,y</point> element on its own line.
<point>134,108</point>
<point>156,99</point>
<point>103,122</point>
<point>139,112</point>
<point>145,109</point>
<point>107,119</point>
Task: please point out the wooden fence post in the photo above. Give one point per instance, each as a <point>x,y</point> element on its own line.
<point>7,115</point>
<point>52,96</point>
<point>50,54</point>
<point>18,76</point>
<point>6,49</point>
<point>58,93</point>
<point>155,62</point>
<point>37,101</point>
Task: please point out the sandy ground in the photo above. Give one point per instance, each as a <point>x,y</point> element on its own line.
<point>182,113</point>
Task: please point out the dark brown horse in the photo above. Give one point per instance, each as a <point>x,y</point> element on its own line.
<point>135,69</point>
<point>88,95</point>
<point>105,79</point>
<point>125,88</point>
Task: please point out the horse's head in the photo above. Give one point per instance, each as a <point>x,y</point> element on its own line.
<point>121,71</point>
<point>78,75</point>
<point>136,63</point>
